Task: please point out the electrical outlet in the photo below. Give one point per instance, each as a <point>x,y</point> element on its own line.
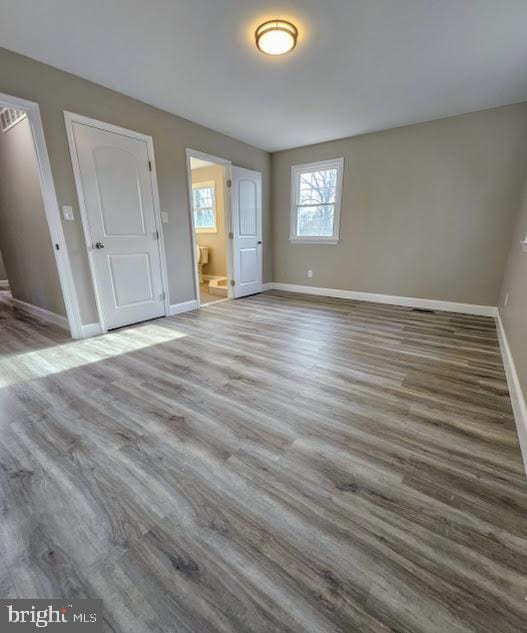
<point>310,274</point>
<point>164,217</point>
<point>506,301</point>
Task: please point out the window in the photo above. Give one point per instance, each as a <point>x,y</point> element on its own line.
<point>10,117</point>
<point>204,207</point>
<point>315,202</point>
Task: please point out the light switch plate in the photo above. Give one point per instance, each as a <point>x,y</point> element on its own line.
<point>164,217</point>
<point>524,245</point>
<point>67,213</point>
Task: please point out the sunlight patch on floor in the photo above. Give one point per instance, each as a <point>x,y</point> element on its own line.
<point>19,368</point>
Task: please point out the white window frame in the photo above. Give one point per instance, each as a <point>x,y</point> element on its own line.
<point>206,185</point>
<point>296,171</point>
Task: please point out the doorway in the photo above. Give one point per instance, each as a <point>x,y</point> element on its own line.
<point>226,220</point>
<point>211,228</point>
<point>36,273</point>
<point>118,199</point>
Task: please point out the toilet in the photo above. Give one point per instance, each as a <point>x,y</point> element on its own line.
<point>202,258</point>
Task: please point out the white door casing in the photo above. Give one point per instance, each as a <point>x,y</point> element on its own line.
<point>118,206</point>
<point>246,200</point>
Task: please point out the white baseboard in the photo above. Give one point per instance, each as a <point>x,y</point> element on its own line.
<point>91,329</point>
<point>4,284</point>
<point>411,302</point>
<point>185,306</point>
<point>94,329</point>
<point>517,398</point>
<point>41,313</point>
<point>267,286</point>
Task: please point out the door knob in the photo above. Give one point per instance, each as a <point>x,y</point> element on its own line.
<point>259,241</point>
<point>99,245</point>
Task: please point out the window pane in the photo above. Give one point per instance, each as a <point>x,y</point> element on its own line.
<point>317,187</point>
<point>203,197</point>
<point>203,200</point>
<point>315,221</point>
<point>205,219</point>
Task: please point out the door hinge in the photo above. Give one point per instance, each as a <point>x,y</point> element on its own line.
<point>229,183</point>
<point>57,247</point>
<point>232,282</point>
<point>156,235</point>
<point>149,165</point>
<point>231,235</point>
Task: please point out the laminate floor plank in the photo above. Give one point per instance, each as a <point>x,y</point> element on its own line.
<point>280,463</point>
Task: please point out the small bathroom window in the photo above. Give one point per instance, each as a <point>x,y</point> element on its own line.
<point>204,202</point>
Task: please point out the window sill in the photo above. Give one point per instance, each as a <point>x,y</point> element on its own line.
<point>314,240</point>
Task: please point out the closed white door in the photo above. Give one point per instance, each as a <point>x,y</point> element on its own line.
<point>246,198</point>
<point>116,191</point>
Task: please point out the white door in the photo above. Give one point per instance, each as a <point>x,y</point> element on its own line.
<point>116,191</point>
<point>246,199</point>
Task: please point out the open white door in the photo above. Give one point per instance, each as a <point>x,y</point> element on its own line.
<point>115,190</point>
<point>246,200</point>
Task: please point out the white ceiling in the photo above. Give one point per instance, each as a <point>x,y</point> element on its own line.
<point>360,65</point>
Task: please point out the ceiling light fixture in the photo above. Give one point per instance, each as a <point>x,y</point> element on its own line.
<point>276,37</point>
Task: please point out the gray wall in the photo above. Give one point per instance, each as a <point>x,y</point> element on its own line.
<point>514,314</point>
<point>427,210</point>
<point>24,235</point>
<point>56,91</point>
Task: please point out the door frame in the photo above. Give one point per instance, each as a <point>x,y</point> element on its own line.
<point>70,118</point>
<point>51,208</point>
<point>194,153</point>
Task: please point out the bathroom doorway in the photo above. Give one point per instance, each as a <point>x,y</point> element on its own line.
<point>210,205</point>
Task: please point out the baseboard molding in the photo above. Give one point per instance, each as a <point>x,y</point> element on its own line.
<point>4,284</point>
<point>185,306</point>
<point>519,405</point>
<point>41,313</point>
<point>411,302</point>
<point>91,329</point>
<point>267,286</point>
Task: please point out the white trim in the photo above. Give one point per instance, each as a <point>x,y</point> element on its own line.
<point>185,306</point>
<point>4,284</point>
<point>91,329</point>
<point>51,208</point>
<point>41,313</point>
<point>267,286</point>
<point>69,119</point>
<point>411,302</point>
<point>519,406</point>
<point>296,171</point>
<point>193,153</point>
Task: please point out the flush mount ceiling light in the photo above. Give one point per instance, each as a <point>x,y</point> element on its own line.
<point>276,37</point>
